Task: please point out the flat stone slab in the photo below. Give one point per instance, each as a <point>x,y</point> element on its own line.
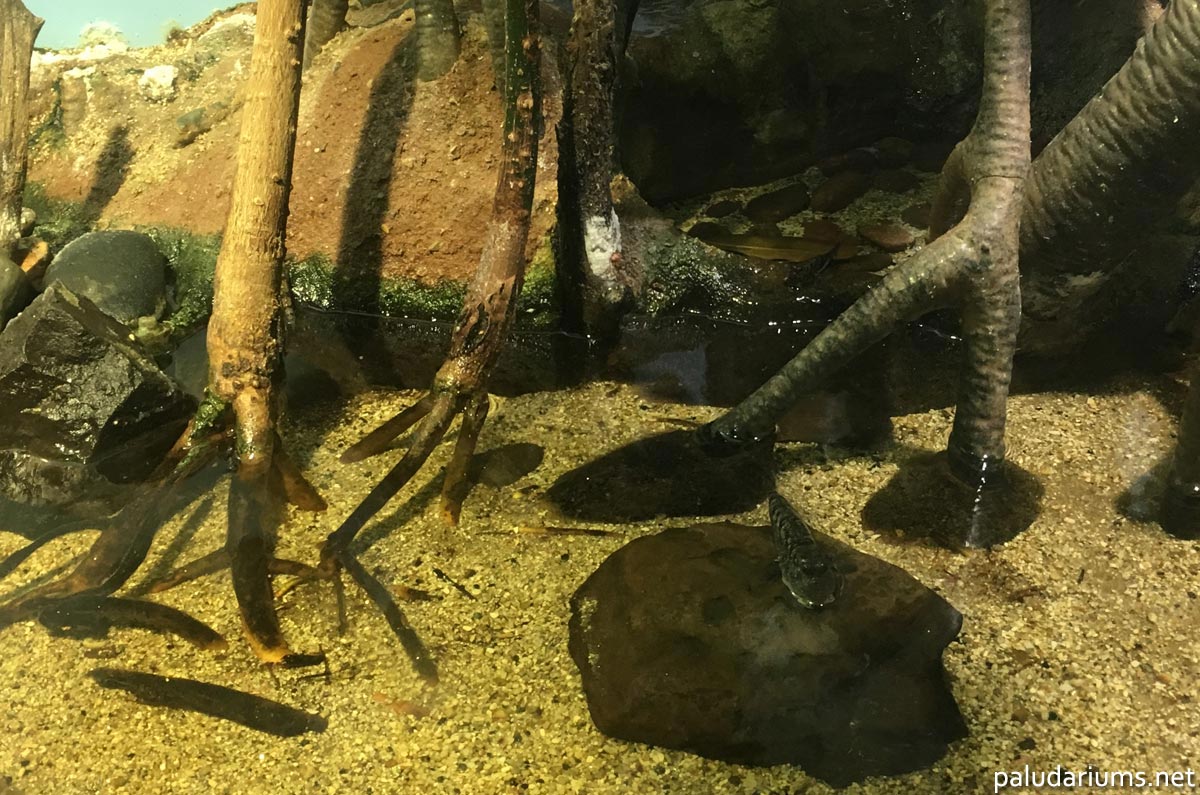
<point>688,639</point>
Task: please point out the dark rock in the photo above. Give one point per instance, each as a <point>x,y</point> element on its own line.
<point>837,192</point>
<point>688,639</point>
<point>889,237</point>
<point>892,152</point>
<point>896,180</point>
<point>663,475</point>
<point>823,229</point>
<point>740,92</point>
<point>707,229</point>
<point>81,406</point>
<point>855,160</point>
<point>916,215</point>
<point>929,156</point>
<point>722,208</point>
<point>15,290</point>
<point>120,271</point>
<point>778,204</point>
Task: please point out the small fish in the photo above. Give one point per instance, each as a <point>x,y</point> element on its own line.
<point>808,572</point>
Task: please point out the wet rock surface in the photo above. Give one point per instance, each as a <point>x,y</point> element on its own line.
<point>783,83</point>
<point>122,272</point>
<point>81,407</point>
<point>688,639</point>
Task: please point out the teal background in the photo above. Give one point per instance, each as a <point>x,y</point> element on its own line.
<point>144,22</point>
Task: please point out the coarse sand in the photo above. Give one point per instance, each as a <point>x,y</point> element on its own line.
<point>1079,644</point>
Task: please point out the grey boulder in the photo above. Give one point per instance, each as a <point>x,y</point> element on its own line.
<point>122,272</point>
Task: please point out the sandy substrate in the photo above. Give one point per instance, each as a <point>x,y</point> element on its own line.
<point>1079,644</point>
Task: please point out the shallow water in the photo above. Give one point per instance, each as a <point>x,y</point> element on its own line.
<point>1078,645</point>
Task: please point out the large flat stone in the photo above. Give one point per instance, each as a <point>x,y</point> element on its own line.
<point>688,639</point>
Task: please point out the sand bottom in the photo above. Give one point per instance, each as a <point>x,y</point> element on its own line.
<point>1079,644</point>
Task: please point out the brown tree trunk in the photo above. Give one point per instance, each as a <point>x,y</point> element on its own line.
<point>598,271</point>
<point>438,38</point>
<point>973,264</point>
<point>18,30</point>
<point>326,19</point>
<point>244,333</point>
<point>461,383</point>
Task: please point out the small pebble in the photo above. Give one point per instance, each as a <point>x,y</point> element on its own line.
<point>889,237</point>
<point>722,208</point>
<point>823,229</point>
<point>916,215</point>
<point>896,180</point>
<point>892,152</point>
<point>837,192</point>
<point>854,160</point>
<point>778,204</point>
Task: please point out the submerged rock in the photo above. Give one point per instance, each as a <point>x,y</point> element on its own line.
<point>837,192</point>
<point>778,204</point>
<point>688,639</point>
<point>122,272</point>
<point>892,238</point>
<point>81,406</point>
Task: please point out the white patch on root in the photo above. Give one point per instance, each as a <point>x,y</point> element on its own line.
<point>602,247</point>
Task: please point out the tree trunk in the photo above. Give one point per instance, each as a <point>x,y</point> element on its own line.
<point>326,18</point>
<point>1118,167</point>
<point>595,266</point>
<point>438,39</point>
<point>244,333</point>
<point>18,30</point>
<point>461,383</point>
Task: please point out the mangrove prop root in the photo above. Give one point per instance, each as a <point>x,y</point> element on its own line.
<point>15,559</point>
<point>426,437</point>
<point>974,264</point>
<point>482,326</point>
<point>218,560</point>
<point>254,507</point>
<point>422,660</point>
<point>491,297</point>
<point>296,488</point>
<point>456,484</point>
<point>123,545</point>
<point>379,439</point>
<point>255,712</point>
<point>207,564</point>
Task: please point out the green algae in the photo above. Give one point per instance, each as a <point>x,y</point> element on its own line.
<point>58,221</point>
<point>192,260</point>
<point>314,280</point>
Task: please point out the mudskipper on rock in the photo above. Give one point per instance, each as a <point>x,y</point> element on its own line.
<point>807,569</point>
